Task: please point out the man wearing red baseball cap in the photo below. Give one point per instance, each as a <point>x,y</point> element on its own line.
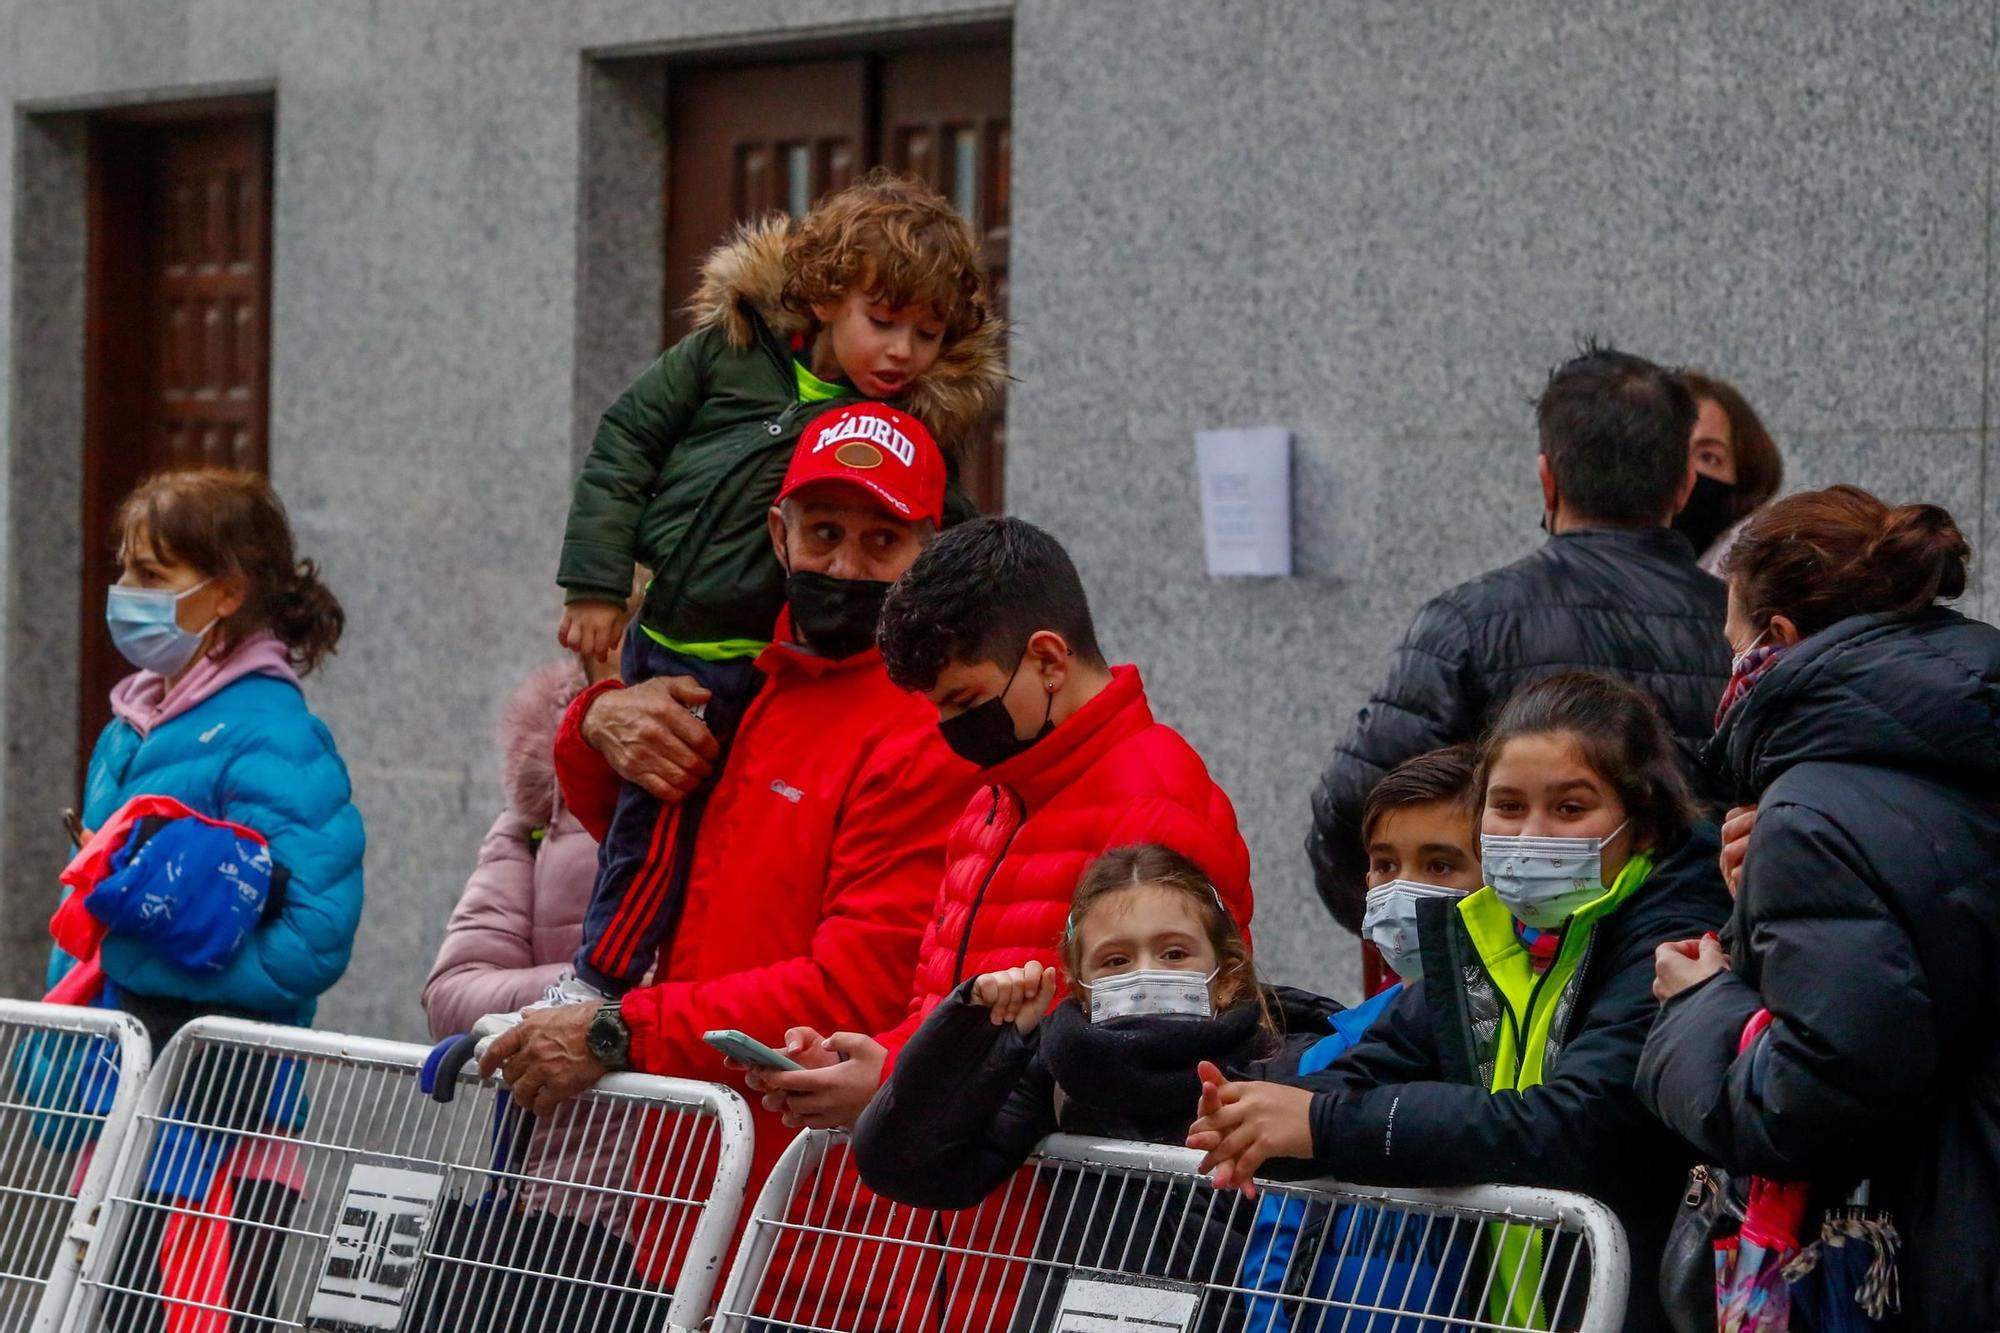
<point>811,881</point>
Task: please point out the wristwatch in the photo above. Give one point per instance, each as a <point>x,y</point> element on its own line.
<point>609,1039</point>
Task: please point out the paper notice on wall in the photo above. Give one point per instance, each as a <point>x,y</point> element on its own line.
<point>1107,1303</point>
<point>372,1255</point>
<point>1246,500</point>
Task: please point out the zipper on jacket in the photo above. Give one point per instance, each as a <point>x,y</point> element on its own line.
<point>972,916</point>
<point>774,427</point>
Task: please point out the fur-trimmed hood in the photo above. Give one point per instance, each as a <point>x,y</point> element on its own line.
<point>528,722</point>
<point>749,270</point>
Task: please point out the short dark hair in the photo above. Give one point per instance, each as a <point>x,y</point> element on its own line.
<point>1615,429</point>
<point>1448,776</point>
<point>978,594</point>
<point>1623,737</point>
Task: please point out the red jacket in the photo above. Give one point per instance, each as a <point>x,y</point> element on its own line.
<point>813,876</point>
<point>1109,776</point>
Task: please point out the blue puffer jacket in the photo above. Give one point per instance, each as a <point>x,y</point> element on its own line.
<point>252,754</point>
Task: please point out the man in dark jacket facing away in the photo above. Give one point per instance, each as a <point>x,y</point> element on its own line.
<point>1614,588</point>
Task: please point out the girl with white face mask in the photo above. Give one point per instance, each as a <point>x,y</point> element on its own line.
<point>1514,1061</point>
<point>1159,979</point>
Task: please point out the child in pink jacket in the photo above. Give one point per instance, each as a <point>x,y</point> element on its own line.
<point>514,930</point>
<point>521,914</point>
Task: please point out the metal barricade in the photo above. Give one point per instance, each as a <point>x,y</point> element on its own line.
<point>282,1178</point>
<point>70,1080</point>
<point>1096,1235</point>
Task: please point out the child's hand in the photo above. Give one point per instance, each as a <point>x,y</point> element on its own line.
<point>1244,1125</point>
<point>1020,995</point>
<point>591,628</point>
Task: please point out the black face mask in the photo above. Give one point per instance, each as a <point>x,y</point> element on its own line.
<point>1709,512</point>
<point>983,735</point>
<point>835,618</point>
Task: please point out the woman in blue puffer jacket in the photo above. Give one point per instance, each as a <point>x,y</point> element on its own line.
<point>222,620</point>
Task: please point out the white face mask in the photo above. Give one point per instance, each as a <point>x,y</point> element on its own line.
<point>1543,881</point>
<point>1390,921</point>
<point>1150,993</point>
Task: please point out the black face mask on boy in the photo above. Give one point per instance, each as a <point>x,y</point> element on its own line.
<point>984,734</point>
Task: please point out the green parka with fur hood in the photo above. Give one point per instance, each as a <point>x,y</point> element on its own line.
<point>687,462</point>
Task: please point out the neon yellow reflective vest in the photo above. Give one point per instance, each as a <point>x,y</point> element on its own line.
<point>1529,1007</point>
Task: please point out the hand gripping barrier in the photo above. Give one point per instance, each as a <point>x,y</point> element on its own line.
<point>281,1178</point>
<point>70,1082</point>
<point>1100,1236</point>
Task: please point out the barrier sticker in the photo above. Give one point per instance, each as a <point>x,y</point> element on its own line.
<point>371,1258</point>
<point>1112,1303</point>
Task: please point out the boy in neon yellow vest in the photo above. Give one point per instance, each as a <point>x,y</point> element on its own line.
<point>1512,1060</point>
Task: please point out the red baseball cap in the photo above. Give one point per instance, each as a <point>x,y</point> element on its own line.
<point>887,453</point>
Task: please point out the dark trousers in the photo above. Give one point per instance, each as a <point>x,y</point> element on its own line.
<point>643,862</point>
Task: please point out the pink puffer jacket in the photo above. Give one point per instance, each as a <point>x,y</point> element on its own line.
<point>521,915</point>
<point>517,924</point>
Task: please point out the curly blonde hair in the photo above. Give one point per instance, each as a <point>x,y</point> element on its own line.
<point>898,239</point>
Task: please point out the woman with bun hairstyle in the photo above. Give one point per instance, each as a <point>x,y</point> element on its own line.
<point>1864,720</point>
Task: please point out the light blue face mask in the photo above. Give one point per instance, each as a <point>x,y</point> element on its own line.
<point>145,628</point>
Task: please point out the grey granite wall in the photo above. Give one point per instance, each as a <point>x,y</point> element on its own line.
<point>1376,225</point>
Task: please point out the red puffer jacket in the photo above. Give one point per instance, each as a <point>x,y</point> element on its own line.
<point>1109,776</point>
<point>815,871</point>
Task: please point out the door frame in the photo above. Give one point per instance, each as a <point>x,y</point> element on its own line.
<point>117,350</point>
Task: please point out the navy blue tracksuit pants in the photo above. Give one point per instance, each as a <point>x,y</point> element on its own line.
<point>643,863</point>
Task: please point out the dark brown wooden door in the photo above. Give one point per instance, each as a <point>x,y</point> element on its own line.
<point>749,139</point>
<point>177,340</point>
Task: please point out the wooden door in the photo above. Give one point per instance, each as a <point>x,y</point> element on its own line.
<point>752,140</point>
<point>945,117</point>
<point>746,140</point>
<point>177,335</point>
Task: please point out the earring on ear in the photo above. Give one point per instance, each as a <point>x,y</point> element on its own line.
<point>1050,686</point>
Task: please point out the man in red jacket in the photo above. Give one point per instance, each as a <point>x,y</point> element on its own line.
<point>992,626</point>
<point>817,863</point>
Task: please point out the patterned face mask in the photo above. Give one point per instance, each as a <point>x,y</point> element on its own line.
<point>1390,921</point>
<point>1149,993</point>
<point>1543,881</point>
<point>1746,669</point>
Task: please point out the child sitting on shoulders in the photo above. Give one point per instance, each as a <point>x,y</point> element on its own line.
<point>875,302</point>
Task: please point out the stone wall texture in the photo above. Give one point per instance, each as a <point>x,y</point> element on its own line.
<point>1376,225</point>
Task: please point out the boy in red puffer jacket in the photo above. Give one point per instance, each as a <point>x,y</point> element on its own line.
<point>991,624</point>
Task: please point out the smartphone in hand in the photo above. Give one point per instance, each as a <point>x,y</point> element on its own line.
<point>747,1050</point>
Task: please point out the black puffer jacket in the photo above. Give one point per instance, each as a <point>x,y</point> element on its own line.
<point>1633,603</point>
<point>1868,922</point>
<point>1407,1106</point>
<point>969,1100</point>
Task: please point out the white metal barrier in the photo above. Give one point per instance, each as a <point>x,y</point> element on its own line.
<point>281,1178</point>
<point>1102,1235</point>
<point>70,1080</point>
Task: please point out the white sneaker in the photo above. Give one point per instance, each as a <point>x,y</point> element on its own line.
<point>565,989</point>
